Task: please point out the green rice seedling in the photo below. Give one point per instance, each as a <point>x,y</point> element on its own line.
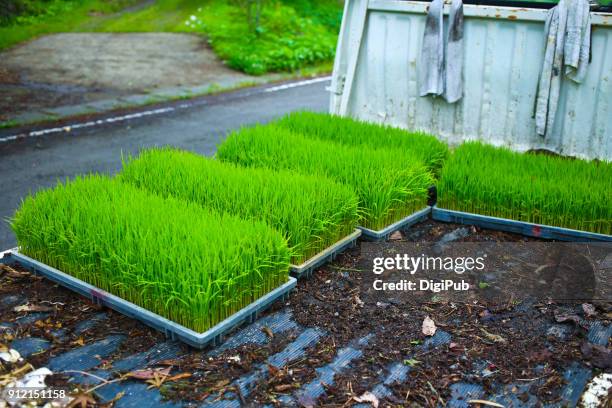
<point>388,189</point>
<point>191,265</point>
<point>312,212</point>
<point>536,188</point>
<point>352,132</point>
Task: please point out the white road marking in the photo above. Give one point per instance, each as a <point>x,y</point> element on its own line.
<point>296,84</point>
<point>81,125</point>
<point>68,128</point>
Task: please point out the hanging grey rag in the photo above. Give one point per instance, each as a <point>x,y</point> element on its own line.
<point>453,59</point>
<point>567,42</point>
<point>431,63</point>
<point>577,40</point>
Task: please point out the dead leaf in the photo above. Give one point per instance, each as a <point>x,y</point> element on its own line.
<point>456,348</point>
<point>170,362</point>
<point>496,338</point>
<point>158,379</point>
<point>148,374</point>
<point>565,317</point>
<point>268,332</point>
<point>221,384</point>
<point>78,342</point>
<point>429,327</point>
<point>540,356</point>
<point>484,314</point>
<point>33,308</point>
<point>600,356</point>
<point>12,272</point>
<point>589,309</point>
<point>274,372</point>
<point>284,387</point>
<point>82,400</point>
<point>358,301</point>
<point>368,397</point>
<point>179,376</point>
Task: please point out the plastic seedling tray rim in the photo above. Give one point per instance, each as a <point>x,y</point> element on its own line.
<point>519,227</point>
<point>306,267</point>
<point>407,221</point>
<point>213,336</point>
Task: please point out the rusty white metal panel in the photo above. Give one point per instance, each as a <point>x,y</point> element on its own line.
<point>376,78</point>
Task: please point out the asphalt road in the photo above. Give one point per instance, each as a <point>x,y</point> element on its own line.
<point>33,163</point>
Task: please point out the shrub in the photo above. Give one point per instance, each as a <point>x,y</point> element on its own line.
<point>325,12</point>
<point>387,189</point>
<point>535,188</point>
<point>190,265</point>
<point>352,132</point>
<point>311,212</point>
<point>281,41</point>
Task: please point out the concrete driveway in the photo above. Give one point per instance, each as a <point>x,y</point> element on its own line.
<point>63,70</point>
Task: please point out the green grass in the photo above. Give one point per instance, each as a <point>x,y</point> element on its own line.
<point>388,189</point>
<point>55,16</point>
<point>160,16</point>
<point>540,189</point>
<point>356,133</point>
<point>188,264</point>
<point>283,41</point>
<point>311,212</point>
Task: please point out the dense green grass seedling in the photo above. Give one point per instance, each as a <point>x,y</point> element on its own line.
<point>535,188</point>
<point>312,212</point>
<point>191,265</point>
<point>388,189</point>
<point>352,132</point>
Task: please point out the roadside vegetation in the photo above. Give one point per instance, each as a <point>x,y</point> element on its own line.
<point>189,264</point>
<point>311,212</point>
<point>22,20</point>
<point>275,37</point>
<point>542,189</point>
<point>251,36</point>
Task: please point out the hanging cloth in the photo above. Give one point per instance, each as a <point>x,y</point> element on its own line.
<point>567,45</point>
<point>431,63</point>
<point>453,58</point>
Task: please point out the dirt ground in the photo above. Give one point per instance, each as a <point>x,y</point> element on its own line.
<point>514,348</point>
<point>76,68</point>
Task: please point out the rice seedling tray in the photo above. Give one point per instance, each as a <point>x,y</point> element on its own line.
<point>519,227</point>
<point>211,337</point>
<point>383,234</point>
<point>306,268</point>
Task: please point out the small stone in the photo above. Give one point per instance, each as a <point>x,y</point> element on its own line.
<point>396,236</point>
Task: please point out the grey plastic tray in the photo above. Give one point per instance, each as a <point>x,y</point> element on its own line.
<point>213,336</point>
<point>519,227</point>
<point>383,234</point>
<point>307,267</point>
